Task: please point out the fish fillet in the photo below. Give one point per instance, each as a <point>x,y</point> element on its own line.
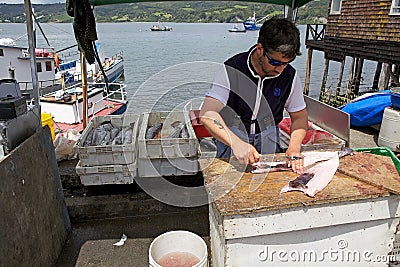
<point>319,175</point>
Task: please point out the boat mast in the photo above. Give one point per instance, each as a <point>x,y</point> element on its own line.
<point>32,46</point>
<point>84,89</point>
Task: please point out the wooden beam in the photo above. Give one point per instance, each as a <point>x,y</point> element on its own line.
<point>378,71</point>
<point>395,80</point>
<point>350,78</point>
<point>339,84</point>
<point>308,72</point>
<point>359,67</point>
<point>324,77</point>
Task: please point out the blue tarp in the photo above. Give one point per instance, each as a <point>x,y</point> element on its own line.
<point>368,110</point>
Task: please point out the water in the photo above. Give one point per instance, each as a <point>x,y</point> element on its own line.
<point>167,70</point>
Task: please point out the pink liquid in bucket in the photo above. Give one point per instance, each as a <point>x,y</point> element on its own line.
<point>178,259</point>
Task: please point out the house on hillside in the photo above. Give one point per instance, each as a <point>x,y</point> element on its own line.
<point>357,30</point>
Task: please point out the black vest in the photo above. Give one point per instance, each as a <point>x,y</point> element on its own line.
<point>243,91</point>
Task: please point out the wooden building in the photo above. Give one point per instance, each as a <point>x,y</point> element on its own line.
<point>357,30</point>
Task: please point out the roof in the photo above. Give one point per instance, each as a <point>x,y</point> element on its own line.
<point>291,3</point>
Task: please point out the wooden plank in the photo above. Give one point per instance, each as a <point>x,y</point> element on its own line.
<point>229,188</point>
<point>372,169</point>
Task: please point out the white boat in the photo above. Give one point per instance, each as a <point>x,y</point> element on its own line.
<point>160,28</point>
<point>54,69</point>
<point>66,106</point>
<point>235,28</point>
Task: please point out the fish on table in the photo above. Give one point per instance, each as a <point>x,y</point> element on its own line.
<point>317,173</point>
<point>319,169</point>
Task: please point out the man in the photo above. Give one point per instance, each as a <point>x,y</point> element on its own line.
<point>246,101</point>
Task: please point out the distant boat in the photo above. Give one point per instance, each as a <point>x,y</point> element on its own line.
<point>159,28</point>
<point>253,24</point>
<point>235,28</point>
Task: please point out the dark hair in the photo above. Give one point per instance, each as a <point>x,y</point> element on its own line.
<point>280,35</point>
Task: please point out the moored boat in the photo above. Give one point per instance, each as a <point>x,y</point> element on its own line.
<point>160,28</point>
<point>55,69</point>
<point>235,28</point>
<point>253,24</point>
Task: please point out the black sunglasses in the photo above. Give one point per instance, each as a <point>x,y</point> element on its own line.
<point>276,63</point>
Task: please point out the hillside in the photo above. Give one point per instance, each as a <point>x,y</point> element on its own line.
<point>193,11</point>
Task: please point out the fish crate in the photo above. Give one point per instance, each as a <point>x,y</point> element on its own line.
<point>106,174</point>
<point>109,154</point>
<point>166,147</point>
<point>332,143</point>
<point>166,156</point>
<point>167,167</point>
<point>382,151</point>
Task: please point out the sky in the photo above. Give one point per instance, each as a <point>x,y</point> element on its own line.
<point>32,1</point>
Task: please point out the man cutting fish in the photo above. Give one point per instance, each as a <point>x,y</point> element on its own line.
<point>246,101</point>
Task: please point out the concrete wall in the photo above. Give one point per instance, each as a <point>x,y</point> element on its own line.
<point>34,221</point>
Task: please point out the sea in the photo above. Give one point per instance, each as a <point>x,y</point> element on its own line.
<point>172,70</point>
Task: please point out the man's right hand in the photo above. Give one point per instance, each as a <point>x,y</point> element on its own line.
<point>245,152</point>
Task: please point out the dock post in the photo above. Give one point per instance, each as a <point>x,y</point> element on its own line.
<point>384,81</point>
<point>350,78</point>
<point>339,84</point>
<point>306,90</point>
<point>359,67</point>
<point>322,92</point>
<point>378,71</point>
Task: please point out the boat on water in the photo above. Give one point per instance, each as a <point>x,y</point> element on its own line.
<point>235,28</point>
<point>55,69</point>
<point>252,23</point>
<point>160,28</point>
<point>66,106</point>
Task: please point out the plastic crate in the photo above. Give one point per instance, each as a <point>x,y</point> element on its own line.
<point>199,129</point>
<point>166,147</point>
<point>109,154</point>
<point>106,174</point>
<point>383,151</point>
<point>167,167</point>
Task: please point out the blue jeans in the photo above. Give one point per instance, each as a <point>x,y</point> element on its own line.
<point>266,142</point>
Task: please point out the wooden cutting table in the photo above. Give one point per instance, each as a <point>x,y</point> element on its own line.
<point>247,211</point>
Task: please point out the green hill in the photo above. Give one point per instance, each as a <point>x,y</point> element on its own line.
<point>192,11</point>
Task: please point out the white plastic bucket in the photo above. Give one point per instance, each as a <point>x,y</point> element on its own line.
<point>178,241</point>
<point>389,134</point>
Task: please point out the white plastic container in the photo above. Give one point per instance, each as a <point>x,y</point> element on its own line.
<point>166,156</point>
<point>167,167</point>
<point>178,241</point>
<point>166,147</point>
<point>109,154</point>
<point>106,174</point>
<point>389,134</point>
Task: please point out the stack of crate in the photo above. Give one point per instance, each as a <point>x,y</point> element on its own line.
<point>167,156</point>
<point>108,164</point>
